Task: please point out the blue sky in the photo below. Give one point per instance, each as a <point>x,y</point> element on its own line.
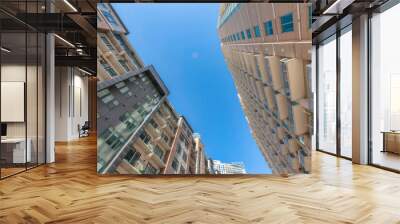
<point>181,41</point>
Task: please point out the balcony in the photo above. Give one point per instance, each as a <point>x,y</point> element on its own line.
<point>293,73</point>
<point>282,102</point>
<point>284,150</point>
<point>273,62</point>
<point>126,168</point>
<point>269,96</point>
<point>300,120</point>
<point>284,76</point>
<point>157,160</point>
<point>260,90</point>
<point>160,141</point>
<point>168,129</point>
<point>265,71</point>
<point>154,132</point>
<point>309,79</point>
<point>144,148</point>
<point>293,162</point>
<point>293,146</point>
<point>157,118</point>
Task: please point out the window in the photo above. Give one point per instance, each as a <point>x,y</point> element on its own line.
<point>165,138</point>
<point>109,17</point>
<point>184,156</point>
<point>257,31</point>
<point>287,23</point>
<point>103,93</point>
<point>122,42</point>
<point>107,67</point>
<point>107,98</point>
<point>243,37</point>
<point>345,92</point>
<point>175,164</point>
<point>237,36</point>
<point>107,42</point>
<point>153,123</point>
<point>145,137</point>
<point>268,28</point>
<point>124,64</point>
<point>385,88</point>
<point>112,139</point>
<point>150,169</point>
<point>327,95</point>
<point>130,123</point>
<point>248,31</point>
<point>159,152</point>
<point>132,156</point>
<point>178,149</point>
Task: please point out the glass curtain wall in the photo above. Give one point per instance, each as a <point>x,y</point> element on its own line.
<point>385,89</point>
<point>334,99</point>
<point>22,88</point>
<point>327,95</point>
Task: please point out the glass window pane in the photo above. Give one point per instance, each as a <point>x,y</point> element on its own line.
<point>385,89</point>
<point>13,85</point>
<point>346,94</point>
<point>327,96</point>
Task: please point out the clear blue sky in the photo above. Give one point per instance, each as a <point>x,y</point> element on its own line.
<point>181,41</point>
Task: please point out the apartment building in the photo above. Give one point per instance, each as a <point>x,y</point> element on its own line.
<point>115,55</point>
<point>228,168</point>
<point>267,48</point>
<point>139,131</point>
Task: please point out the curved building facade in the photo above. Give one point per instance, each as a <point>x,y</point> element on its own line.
<point>267,48</point>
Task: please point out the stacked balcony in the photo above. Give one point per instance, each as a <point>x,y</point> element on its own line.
<point>293,79</point>
<point>265,70</point>
<point>159,119</point>
<point>163,143</point>
<point>282,102</point>
<point>154,132</point>
<point>310,99</point>
<point>126,168</point>
<point>167,128</point>
<point>157,160</point>
<point>273,63</point>
<point>148,150</point>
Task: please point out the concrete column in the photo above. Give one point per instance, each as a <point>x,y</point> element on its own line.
<point>360,90</point>
<point>50,98</point>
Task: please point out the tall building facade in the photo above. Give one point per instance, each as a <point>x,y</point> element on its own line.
<point>228,168</point>
<point>115,55</point>
<point>267,48</point>
<point>139,132</point>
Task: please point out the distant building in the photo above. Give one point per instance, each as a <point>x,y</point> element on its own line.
<point>210,166</point>
<point>228,168</point>
<point>267,49</point>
